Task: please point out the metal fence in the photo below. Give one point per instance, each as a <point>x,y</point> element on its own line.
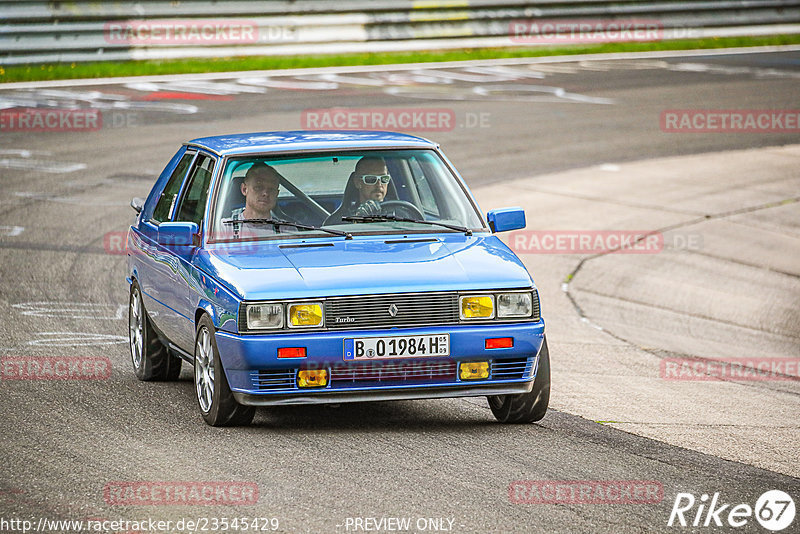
<point>65,32</point>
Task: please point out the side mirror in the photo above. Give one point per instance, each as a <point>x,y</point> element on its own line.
<point>137,204</point>
<point>180,237</point>
<point>505,219</point>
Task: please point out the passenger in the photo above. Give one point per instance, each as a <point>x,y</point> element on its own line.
<point>260,189</point>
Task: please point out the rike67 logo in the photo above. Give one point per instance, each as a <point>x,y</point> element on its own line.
<point>774,510</point>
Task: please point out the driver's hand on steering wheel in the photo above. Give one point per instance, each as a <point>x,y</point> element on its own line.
<point>370,207</point>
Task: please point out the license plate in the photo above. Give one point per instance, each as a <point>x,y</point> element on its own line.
<point>377,348</point>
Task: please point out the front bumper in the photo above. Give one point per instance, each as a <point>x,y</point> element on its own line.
<point>257,376</point>
<point>326,396</point>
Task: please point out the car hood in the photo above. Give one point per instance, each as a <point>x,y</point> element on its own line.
<point>363,265</point>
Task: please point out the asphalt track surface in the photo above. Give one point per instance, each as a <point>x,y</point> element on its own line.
<point>518,137</point>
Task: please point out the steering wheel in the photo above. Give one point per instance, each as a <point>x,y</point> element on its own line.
<point>398,207</point>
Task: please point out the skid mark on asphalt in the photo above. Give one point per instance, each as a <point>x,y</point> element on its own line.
<point>197,87</point>
<point>65,99</point>
<point>72,310</point>
<point>53,167</point>
<point>11,231</point>
<point>65,200</point>
<point>75,339</point>
<point>292,85</point>
<point>25,162</point>
<point>49,247</point>
<point>504,93</point>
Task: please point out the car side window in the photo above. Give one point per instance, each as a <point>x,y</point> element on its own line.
<point>193,204</point>
<point>168,197</point>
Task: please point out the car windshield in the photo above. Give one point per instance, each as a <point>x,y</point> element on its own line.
<point>346,193</point>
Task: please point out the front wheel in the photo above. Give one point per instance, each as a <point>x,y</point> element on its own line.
<point>217,405</point>
<point>526,407</point>
<point>151,359</point>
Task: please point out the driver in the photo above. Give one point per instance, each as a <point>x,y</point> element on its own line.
<point>365,192</point>
<point>371,179</point>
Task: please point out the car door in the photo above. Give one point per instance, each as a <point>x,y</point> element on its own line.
<point>157,265</point>
<point>181,293</point>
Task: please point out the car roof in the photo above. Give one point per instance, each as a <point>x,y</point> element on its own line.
<point>307,140</point>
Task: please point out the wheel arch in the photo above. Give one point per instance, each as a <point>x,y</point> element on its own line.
<point>205,307</point>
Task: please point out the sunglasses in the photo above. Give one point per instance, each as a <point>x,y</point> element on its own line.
<point>372,179</point>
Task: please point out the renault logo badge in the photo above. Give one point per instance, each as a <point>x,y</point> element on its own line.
<point>393,310</point>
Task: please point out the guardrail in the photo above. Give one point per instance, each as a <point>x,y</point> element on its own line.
<point>35,32</point>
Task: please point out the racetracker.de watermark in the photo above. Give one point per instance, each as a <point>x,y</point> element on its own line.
<point>50,120</point>
<point>585,492</point>
<point>39,120</point>
<point>586,241</point>
<point>55,368</point>
<point>190,493</point>
<point>410,119</point>
<point>758,369</point>
<point>730,121</point>
<point>183,32</point>
<point>555,31</point>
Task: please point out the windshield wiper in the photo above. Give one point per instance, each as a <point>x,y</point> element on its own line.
<point>382,218</point>
<point>277,222</point>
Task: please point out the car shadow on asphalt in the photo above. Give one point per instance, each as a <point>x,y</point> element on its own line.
<point>388,416</point>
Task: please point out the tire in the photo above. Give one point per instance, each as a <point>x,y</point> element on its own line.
<point>151,359</point>
<point>213,394</point>
<point>526,407</point>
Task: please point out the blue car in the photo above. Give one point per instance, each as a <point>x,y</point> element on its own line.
<point>327,267</point>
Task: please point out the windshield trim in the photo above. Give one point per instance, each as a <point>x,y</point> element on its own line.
<point>225,160</point>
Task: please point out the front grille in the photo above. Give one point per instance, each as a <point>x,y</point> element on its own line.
<point>393,372</point>
<point>373,311</point>
<point>511,369</point>
<point>271,379</point>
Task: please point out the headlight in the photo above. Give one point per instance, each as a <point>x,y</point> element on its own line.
<point>476,307</point>
<point>305,314</point>
<point>261,316</point>
<point>514,305</point>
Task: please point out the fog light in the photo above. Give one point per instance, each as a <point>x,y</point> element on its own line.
<point>292,352</point>
<point>499,343</point>
<point>474,370</point>
<point>477,307</point>
<point>305,314</point>
<point>312,378</point>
